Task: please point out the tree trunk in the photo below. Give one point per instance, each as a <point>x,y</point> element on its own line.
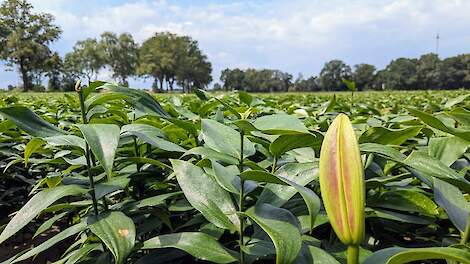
<point>172,81</point>
<point>161,84</point>
<point>25,77</point>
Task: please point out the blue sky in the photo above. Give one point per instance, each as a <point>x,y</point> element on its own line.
<point>294,36</point>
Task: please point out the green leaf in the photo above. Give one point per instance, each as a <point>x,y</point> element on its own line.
<point>199,245</point>
<point>280,124</point>
<point>205,195</point>
<point>456,100</point>
<point>103,140</point>
<point>224,139</point>
<point>87,90</point>
<point>100,98</point>
<point>117,231</point>
<point>227,177</point>
<point>261,176</point>
<point>396,255</point>
<point>35,205</point>
<point>143,102</point>
<point>284,143</point>
<point>300,173</point>
<point>447,149</point>
<point>66,140</point>
<point>351,85</point>
<point>383,150</point>
<point>245,97</point>
<point>156,200</point>
<point>30,122</point>
<point>416,254</point>
<point>432,167</point>
<point>209,153</point>
<point>52,241</point>
<point>311,255</point>
<point>460,115</point>
<point>406,200</point>
<point>383,255</point>
<point>151,135</point>
<point>388,136</point>
<point>452,200</point>
<point>283,229</point>
<point>32,146</point>
<point>111,185</point>
<point>47,224</point>
<point>296,176</point>
<point>401,217</point>
<point>328,106</point>
<point>76,255</point>
<point>434,122</point>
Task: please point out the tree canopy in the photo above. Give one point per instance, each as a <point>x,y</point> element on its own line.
<point>24,39</point>
<point>170,59</point>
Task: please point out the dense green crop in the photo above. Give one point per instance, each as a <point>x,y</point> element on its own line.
<point>228,177</point>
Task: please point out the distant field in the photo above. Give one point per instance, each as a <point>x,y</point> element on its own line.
<point>168,173</point>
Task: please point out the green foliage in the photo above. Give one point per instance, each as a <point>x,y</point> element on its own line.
<point>228,177</point>
<point>24,39</point>
<point>173,59</point>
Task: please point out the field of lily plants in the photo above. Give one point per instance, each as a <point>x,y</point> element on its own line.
<point>110,174</point>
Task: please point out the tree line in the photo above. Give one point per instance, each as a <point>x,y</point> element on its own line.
<point>25,39</point>
<point>174,61</point>
<point>426,72</point>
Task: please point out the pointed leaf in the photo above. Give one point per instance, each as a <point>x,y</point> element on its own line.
<point>453,201</point>
<point>117,231</point>
<point>30,122</point>
<point>283,229</point>
<point>151,135</point>
<point>224,139</point>
<point>52,241</point>
<point>103,140</point>
<point>280,124</point>
<point>200,245</point>
<point>33,145</point>
<point>205,195</point>
<point>36,204</point>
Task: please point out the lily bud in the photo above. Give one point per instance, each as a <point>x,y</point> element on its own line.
<point>342,181</point>
<point>77,86</point>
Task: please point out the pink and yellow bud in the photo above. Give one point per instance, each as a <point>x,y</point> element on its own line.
<point>342,181</point>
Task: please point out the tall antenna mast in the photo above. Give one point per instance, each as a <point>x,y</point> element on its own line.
<point>437,44</point>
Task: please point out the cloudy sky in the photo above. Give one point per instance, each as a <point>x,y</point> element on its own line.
<point>293,36</point>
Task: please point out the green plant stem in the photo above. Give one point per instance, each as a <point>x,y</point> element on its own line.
<point>273,168</point>
<point>352,100</point>
<point>137,153</point>
<point>353,254</point>
<point>466,233</point>
<point>87,155</point>
<point>241,200</point>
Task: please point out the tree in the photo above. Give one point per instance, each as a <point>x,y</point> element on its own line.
<point>428,70</point>
<point>25,37</point>
<point>54,71</point>
<point>332,75</point>
<point>86,59</point>
<point>401,74</point>
<point>306,85</point>
<point>364,75</point>
<point>193,67</point>
<point>171,59</point>
<point>121,54</point>
<point>456,72</point>
<point>157,58</point>
<point>233,79</point>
